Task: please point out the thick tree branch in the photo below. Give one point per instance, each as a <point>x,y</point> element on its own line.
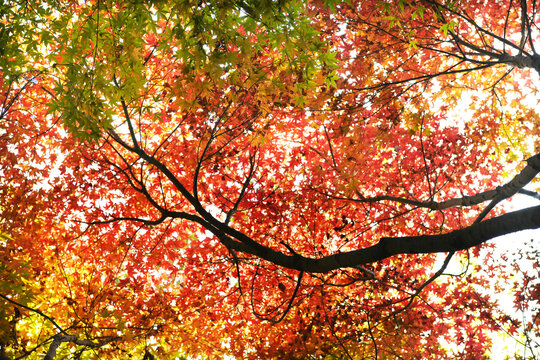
<point>60,338</point>
<point>462,239</point>
<point>473,235</point>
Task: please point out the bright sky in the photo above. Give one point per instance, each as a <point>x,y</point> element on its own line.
<point>507,245</point>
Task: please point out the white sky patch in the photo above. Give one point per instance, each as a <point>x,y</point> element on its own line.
<point>507,245</point>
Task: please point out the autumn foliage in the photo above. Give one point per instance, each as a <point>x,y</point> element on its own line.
<point>263,179</point>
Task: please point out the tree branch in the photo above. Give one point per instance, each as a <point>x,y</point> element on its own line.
<point>505,191</point>
<point>62,331</point>
<point>58,339</point>
<point>461,239</point>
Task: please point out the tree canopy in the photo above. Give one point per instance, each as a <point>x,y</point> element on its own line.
<point>267,179</point>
